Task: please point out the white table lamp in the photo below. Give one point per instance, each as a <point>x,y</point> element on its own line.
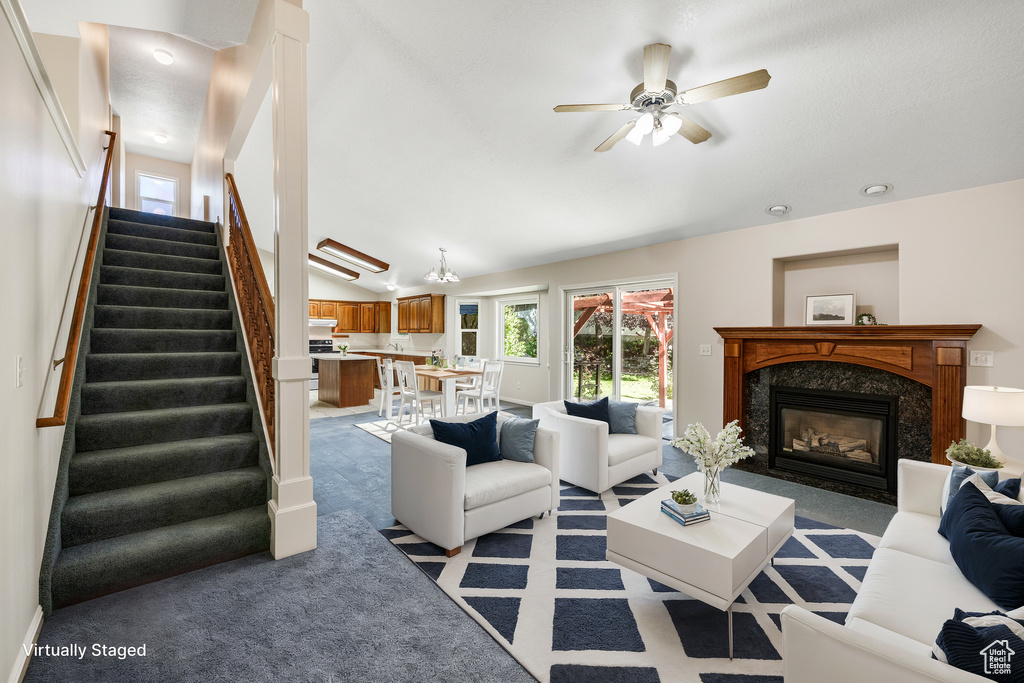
<point>994,406</point>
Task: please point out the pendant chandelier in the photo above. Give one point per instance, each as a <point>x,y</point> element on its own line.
<point>445,274</point>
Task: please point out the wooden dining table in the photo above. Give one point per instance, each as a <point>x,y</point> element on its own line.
<point>447,377</point>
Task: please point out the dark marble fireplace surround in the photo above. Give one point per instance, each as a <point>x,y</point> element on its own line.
<point>913,413</point>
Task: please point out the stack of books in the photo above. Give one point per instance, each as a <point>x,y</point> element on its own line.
<point>673,510</point>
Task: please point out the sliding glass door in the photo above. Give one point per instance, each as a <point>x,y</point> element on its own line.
<point>620,343</point>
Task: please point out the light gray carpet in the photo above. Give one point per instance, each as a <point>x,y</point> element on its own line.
<point>355,609</point>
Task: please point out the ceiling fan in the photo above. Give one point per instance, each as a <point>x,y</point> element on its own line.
<point>652,99</point>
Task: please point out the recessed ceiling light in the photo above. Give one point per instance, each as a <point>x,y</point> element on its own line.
<point>161,138</point>
<point>876,189</point>
<point>778,210</point>
<point>392,288</point>
<point>164,57</point>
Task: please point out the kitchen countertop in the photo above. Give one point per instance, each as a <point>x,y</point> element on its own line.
<point>338,356</point>
<point>392,352</point>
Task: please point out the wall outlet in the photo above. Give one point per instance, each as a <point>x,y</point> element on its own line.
<point>982,358</point>
<point>519,385</point>
<point>705,349</point>
<point>20,382</point>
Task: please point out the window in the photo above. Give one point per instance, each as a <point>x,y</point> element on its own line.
<point>469,327</point>
<point>517,329</point>
<point>157,194</point>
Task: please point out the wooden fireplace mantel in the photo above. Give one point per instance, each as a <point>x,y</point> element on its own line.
<point>935,355</point>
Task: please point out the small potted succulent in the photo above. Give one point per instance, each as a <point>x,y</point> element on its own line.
<point>964,453</point>
<point>686,501</point>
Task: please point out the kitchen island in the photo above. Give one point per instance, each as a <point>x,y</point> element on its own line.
<point>345,380</point>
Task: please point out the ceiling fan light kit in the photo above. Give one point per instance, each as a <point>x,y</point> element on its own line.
<point>652,98</point>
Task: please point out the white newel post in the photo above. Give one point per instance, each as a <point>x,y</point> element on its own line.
<point>292,510</point>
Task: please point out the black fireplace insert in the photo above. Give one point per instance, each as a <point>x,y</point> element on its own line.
<point>837,435</point>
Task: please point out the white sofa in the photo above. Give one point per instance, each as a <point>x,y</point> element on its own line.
<point>444,502</point>
<point>596,460</point>
<point>911,587</point>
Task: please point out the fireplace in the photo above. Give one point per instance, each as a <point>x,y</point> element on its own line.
<point>839,435</point>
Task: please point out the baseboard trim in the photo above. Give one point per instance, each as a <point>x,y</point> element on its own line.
<point>20,667</point>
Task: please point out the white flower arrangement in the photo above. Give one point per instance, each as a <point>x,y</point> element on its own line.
<point>713,456</point>
<point>343,347</point>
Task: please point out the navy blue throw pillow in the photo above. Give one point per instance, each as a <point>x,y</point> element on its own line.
<point>1012,517</point>
<point>596,410</point>
<point>1008,487</point>
<point>479,438</point>
<point>986,651</point>
<point>621,417</point>
<point>987,554</point>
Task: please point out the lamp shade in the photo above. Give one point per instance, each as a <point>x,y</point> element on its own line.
<point>994,405</point>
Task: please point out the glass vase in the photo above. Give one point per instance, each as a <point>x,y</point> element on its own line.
<point>712,485</point>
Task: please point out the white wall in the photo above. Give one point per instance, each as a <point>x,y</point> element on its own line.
<point>873,277</point>
<point>959,262</point>
<point>182,173</point>
<point>45,208</point>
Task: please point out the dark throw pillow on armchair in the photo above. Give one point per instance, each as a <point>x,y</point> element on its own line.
<point>479,438</point>
<point>596,410</point>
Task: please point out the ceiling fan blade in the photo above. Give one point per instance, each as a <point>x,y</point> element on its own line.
<point>615,137</point>
<point>593,107</point>
<point>691,131</point>
<point>755,80</point>
<point>656,58</point>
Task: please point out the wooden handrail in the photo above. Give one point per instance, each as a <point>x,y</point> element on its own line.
<point>67,374</point>
<point>256,306</point>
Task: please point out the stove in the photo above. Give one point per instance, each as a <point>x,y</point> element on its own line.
<point>319,346</point>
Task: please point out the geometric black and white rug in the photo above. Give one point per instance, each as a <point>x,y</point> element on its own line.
<point>544,590</point>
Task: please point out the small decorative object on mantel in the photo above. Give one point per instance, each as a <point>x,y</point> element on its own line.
<point>965,453</point>
<point>713,456</point>
<point>830,309</point>
<point>866,319</point>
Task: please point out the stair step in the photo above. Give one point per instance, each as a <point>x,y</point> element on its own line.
<point>138,259</point>
<point>142,317</point>
<point>144,277</point>
<point>153,297</point>
<point>106,514</point>
<point>155,219</point>
<point>161,232</point>
<point>120,340</point>
<point>93,569</point>
<point>117,468</point>
<point>152,246</point>
<point>153,394</point>
<point>137,427</point>
<point>114,367</point>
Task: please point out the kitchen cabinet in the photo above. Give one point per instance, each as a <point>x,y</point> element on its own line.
<point>328,309</point>
<point>348,317</point>
<point>384,317</point>
<point>314,310</point>
<point>424,313</point>
<point>368,317</point>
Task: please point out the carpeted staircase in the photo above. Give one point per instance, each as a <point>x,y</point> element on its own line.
<point>167,469</point>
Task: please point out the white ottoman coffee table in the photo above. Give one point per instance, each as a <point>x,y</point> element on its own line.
<point>713,561</point>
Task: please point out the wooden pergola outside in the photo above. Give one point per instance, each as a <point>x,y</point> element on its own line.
<point>655,306</point>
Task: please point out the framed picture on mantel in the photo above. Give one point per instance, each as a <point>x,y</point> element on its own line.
<point>830,309</point>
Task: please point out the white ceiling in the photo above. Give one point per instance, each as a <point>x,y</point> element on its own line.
<point>152,98</point>
<point>430,124</point>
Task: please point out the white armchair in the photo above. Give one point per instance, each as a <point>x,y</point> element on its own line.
<point>444,502</point>
<point>596,460</point>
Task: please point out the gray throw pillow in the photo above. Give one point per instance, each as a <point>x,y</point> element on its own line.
<point>956,478</point>
<point>517,437</point>
<point>621,417</point>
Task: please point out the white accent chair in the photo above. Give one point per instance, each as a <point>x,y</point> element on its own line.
<point>444,502</point>
<point>486,390</point>
<point>592,458</point>
<point>412,395</point>
<point>388,390</point>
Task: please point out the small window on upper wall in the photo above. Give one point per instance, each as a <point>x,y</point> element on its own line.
<point>469,327</point>
<point>157,194</point>
<point>517,329</point>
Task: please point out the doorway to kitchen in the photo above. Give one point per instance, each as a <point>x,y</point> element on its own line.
<point>619,342</point>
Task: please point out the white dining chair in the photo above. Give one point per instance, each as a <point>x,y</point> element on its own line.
<point>412,395</point>
<point>388,390</point>
<point>486,391</point>
<point>473,381</point>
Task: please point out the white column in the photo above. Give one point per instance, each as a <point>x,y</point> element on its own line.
<point>292,510</point>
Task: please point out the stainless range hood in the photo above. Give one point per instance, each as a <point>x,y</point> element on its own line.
<point>322,322</point>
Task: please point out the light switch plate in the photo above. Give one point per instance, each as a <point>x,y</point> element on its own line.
<point>982,359</point>
<point>705,349</point>
<point>21,371</point>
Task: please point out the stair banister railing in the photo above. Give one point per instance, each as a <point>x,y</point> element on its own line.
<point>67,373</point>
<point>256,306</point>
